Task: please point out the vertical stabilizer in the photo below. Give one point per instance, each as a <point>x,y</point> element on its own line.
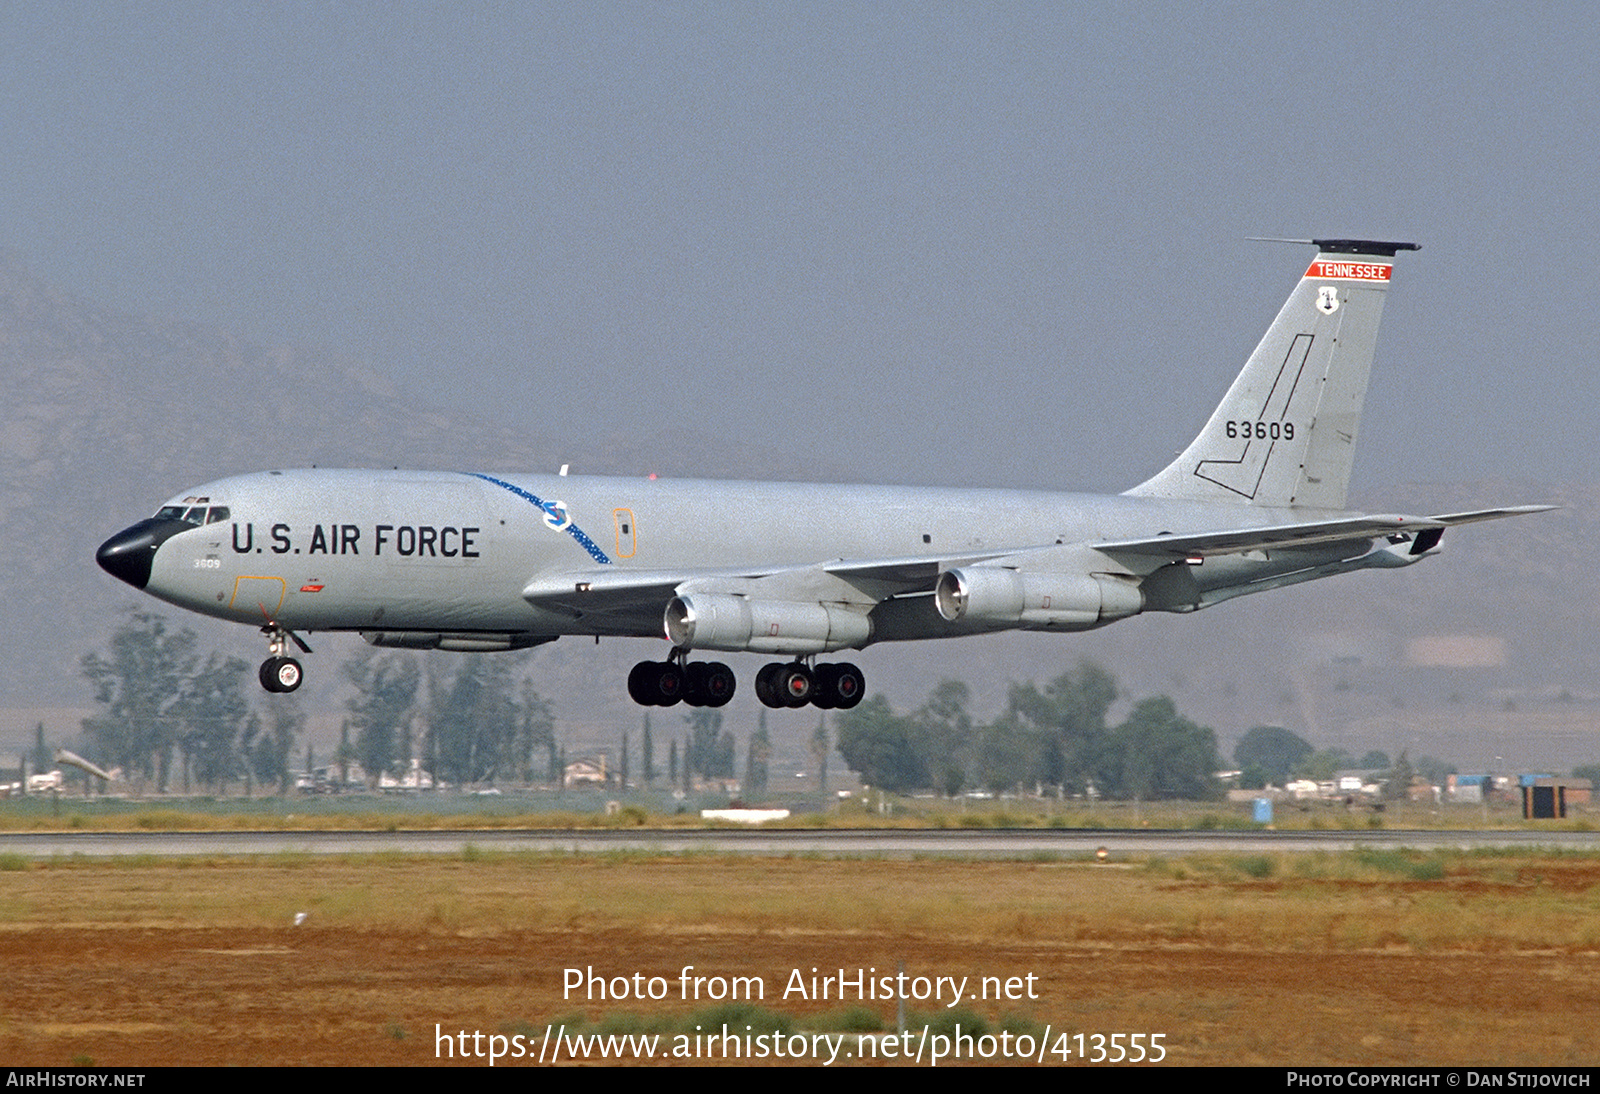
<point>1285,434</point>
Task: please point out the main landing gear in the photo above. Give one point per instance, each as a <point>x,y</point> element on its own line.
<point>279,672</point>
<point>663,683</point>
<point>827,687</point>
<point>711,684</point>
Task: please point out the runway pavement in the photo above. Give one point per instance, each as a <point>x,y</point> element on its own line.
<point>898,842</point>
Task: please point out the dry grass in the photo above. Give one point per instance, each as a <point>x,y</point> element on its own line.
<point>1365,957</point>
<point>1427,902</point>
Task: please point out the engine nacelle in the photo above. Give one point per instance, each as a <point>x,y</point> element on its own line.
<point>1041,601</point>
<point>723,621</point>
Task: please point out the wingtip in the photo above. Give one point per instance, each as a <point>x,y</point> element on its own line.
<point>1493,514</point>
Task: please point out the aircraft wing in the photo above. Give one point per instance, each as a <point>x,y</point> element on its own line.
<point>1476,515</point>
<point>613,591</point>
<point>1305,534</point>
<point>1235,541</point>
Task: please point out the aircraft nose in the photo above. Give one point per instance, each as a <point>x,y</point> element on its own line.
<point>127,556</point>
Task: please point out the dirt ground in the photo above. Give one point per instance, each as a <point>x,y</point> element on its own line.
<point>138,986</point>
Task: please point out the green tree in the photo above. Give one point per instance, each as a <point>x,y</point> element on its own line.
<point>141,688</point>
<point>42,759</point>
<point>249,738</point>
<point>1158,754</point>
<point>819,746</point>
<point>1007,756</point>
<point>1322,765</point>
<point>537,722</point>
<point>215,712</point>
<point>474,721</point>
<point>1435,770</point>
<point>943,736</point>
<point>647,748</point>
<point>269,757</point>
<point>386,691</point>
<point>1065,724</point>
<point>710,749</point>
<point>879,746</point>
<point>758,761</point>
<point>1274,749</point>
<point>345,754</point>
<point>1253,777</point>
<point>1397,784</point>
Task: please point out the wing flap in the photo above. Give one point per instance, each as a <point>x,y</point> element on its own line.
<point>1235,541</point>
<point>1304,534</point>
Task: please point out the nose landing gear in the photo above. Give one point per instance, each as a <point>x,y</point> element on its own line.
<point>279,672</point>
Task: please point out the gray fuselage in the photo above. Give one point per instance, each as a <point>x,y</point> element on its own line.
<point>446,551</point>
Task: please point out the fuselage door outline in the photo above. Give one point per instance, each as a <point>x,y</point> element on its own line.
<point>254,593</point>
<point>627,532</point>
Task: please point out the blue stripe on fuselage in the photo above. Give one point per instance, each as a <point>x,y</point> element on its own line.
<point>572,529</point>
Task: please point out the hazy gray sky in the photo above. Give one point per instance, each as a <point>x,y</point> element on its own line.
<point>957,243</point>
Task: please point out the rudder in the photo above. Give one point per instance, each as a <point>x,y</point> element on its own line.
<point>1285,433</point>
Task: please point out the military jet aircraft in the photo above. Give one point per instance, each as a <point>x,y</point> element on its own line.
<point>481,562</point>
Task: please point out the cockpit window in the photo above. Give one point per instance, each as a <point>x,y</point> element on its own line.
<point>193,514</point>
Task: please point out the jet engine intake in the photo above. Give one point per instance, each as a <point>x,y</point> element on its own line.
<point>1039,601</point>
<point>723,621</point>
